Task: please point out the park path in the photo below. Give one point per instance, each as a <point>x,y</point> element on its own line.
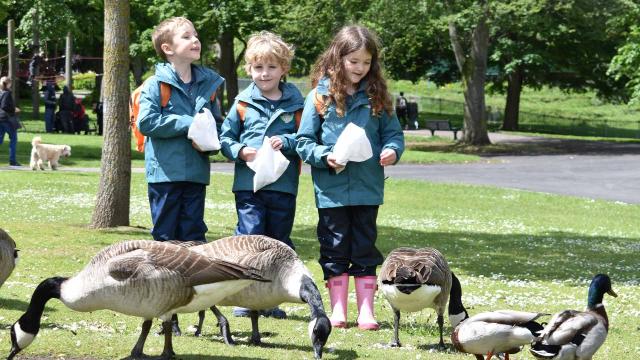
<point>595,170</point>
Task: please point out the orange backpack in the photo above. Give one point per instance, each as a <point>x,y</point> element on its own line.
<point>134,109</point>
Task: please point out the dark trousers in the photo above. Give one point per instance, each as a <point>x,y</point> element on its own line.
<point>347,237</point>
<point>49,119</point>
<point>265,212</point>
<point>177,211</point>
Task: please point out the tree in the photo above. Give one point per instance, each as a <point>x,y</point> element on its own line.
<point>112,199</point>
<point>625,65</point>
<point>469,35</point>
<point>564,44</point>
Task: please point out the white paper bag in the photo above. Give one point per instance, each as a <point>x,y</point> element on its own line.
<point>268,165</point>
<point>352,145</point>
<point>203,131</point>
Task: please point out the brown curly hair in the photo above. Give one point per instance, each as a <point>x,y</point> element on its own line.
<point>330,64</point>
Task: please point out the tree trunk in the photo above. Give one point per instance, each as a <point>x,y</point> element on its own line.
<point>512,107</point>
<point>227,66</point>
<point>472,64</point>
<point>35,84</point>
<point>112,199</point>
<point>68,53</point>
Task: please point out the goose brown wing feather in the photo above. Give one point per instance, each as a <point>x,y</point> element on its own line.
<point>162,257</point>
<point>429,264</point>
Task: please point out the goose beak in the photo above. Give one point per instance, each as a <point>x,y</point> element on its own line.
<point>612,293</point>
<point>317,351</point>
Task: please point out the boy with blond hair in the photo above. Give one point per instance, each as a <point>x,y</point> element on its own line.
<point>177,171</point>
<point>266,108</point>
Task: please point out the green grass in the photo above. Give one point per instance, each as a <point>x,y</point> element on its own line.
<point>511,249</point>
<point>549,101</point>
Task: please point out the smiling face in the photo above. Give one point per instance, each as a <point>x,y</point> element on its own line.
<point>185,45</point>
<point>266,73</point>
<point>356,66</point>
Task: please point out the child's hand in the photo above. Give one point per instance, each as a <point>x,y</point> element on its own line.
<point>331,160</point>
<point>387,157</point>
<point>247,154</point>
<point>276,142</point>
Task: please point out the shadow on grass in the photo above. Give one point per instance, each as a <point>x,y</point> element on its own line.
<point>555,255</point>
<point>19,305</point>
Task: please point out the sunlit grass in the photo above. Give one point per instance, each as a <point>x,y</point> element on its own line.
<point>511,249</point>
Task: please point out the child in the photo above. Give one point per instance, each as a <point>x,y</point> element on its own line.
<point>269,105</point>
<point>177,172</point>
<point>350,87</point>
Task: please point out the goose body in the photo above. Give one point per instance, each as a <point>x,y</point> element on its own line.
<point>414,279</point>
<point>490,333</point>
<point>291,281</point>
<point>577,335</point>
<point>148,279</point>
<point>8,256</point>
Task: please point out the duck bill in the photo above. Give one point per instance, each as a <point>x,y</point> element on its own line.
<point>612,293</point>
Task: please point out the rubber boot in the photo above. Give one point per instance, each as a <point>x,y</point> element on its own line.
<point>366,287</point>
<point>338,292</point>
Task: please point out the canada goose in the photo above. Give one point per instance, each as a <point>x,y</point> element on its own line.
<point>577,335</point>
<point>291,281</point>
<point>8,256</point>
<point>414,279</point>
<point>141,278</point>
<point>494,332</point>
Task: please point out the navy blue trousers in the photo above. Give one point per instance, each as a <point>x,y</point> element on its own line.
<point>347,237</point>
<point>177,211</point>
<point>266,212</point>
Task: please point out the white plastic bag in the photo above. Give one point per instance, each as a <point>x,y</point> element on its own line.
<point>352,145</point>
<point>203,131</point>
<point>268,165</point>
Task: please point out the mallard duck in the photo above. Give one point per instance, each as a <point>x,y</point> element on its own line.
<point>414,279</point>
<point>8,256</point>
<point>577,335</point>
<point>166,278</point>
<point>494,332</point>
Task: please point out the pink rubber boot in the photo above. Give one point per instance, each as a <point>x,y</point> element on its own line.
<point>338,291</point>
<point>366,287</point>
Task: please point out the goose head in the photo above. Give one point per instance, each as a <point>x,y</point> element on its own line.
<point>319,330</point>
<point>600,285</point>
<point>24,331</point>
<point>408,276</point>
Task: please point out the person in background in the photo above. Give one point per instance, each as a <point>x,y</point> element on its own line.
<point>348,81</point>
<point>8,109</point>
<point>401,110</point>
<point>66,104</point>
<point>49,107</point>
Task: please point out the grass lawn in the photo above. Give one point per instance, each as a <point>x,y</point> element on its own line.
<point>511,249</point>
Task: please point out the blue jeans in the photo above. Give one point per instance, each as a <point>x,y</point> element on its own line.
<point>177,211</point>
<point>49,118</point>
<point>266,212</point>
<point>5,127</point>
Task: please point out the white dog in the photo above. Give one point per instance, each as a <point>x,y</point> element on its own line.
<point>46,152</point>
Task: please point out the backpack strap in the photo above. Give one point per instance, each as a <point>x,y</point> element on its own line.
<point>165,94</point>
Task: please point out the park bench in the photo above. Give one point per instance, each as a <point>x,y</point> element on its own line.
<point>434,125</point>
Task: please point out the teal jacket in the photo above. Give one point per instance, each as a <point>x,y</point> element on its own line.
<point>169,156</point>
<point>360,183</point>
<point>261,120</point>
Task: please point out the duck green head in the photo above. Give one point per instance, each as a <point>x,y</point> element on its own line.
<point>600,285</point>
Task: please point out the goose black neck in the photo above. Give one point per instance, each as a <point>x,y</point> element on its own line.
<point>455,297</point>
<point>310,294</point>
<point>47,290</point>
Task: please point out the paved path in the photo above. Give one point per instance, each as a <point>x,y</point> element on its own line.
<point>594,170</point>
